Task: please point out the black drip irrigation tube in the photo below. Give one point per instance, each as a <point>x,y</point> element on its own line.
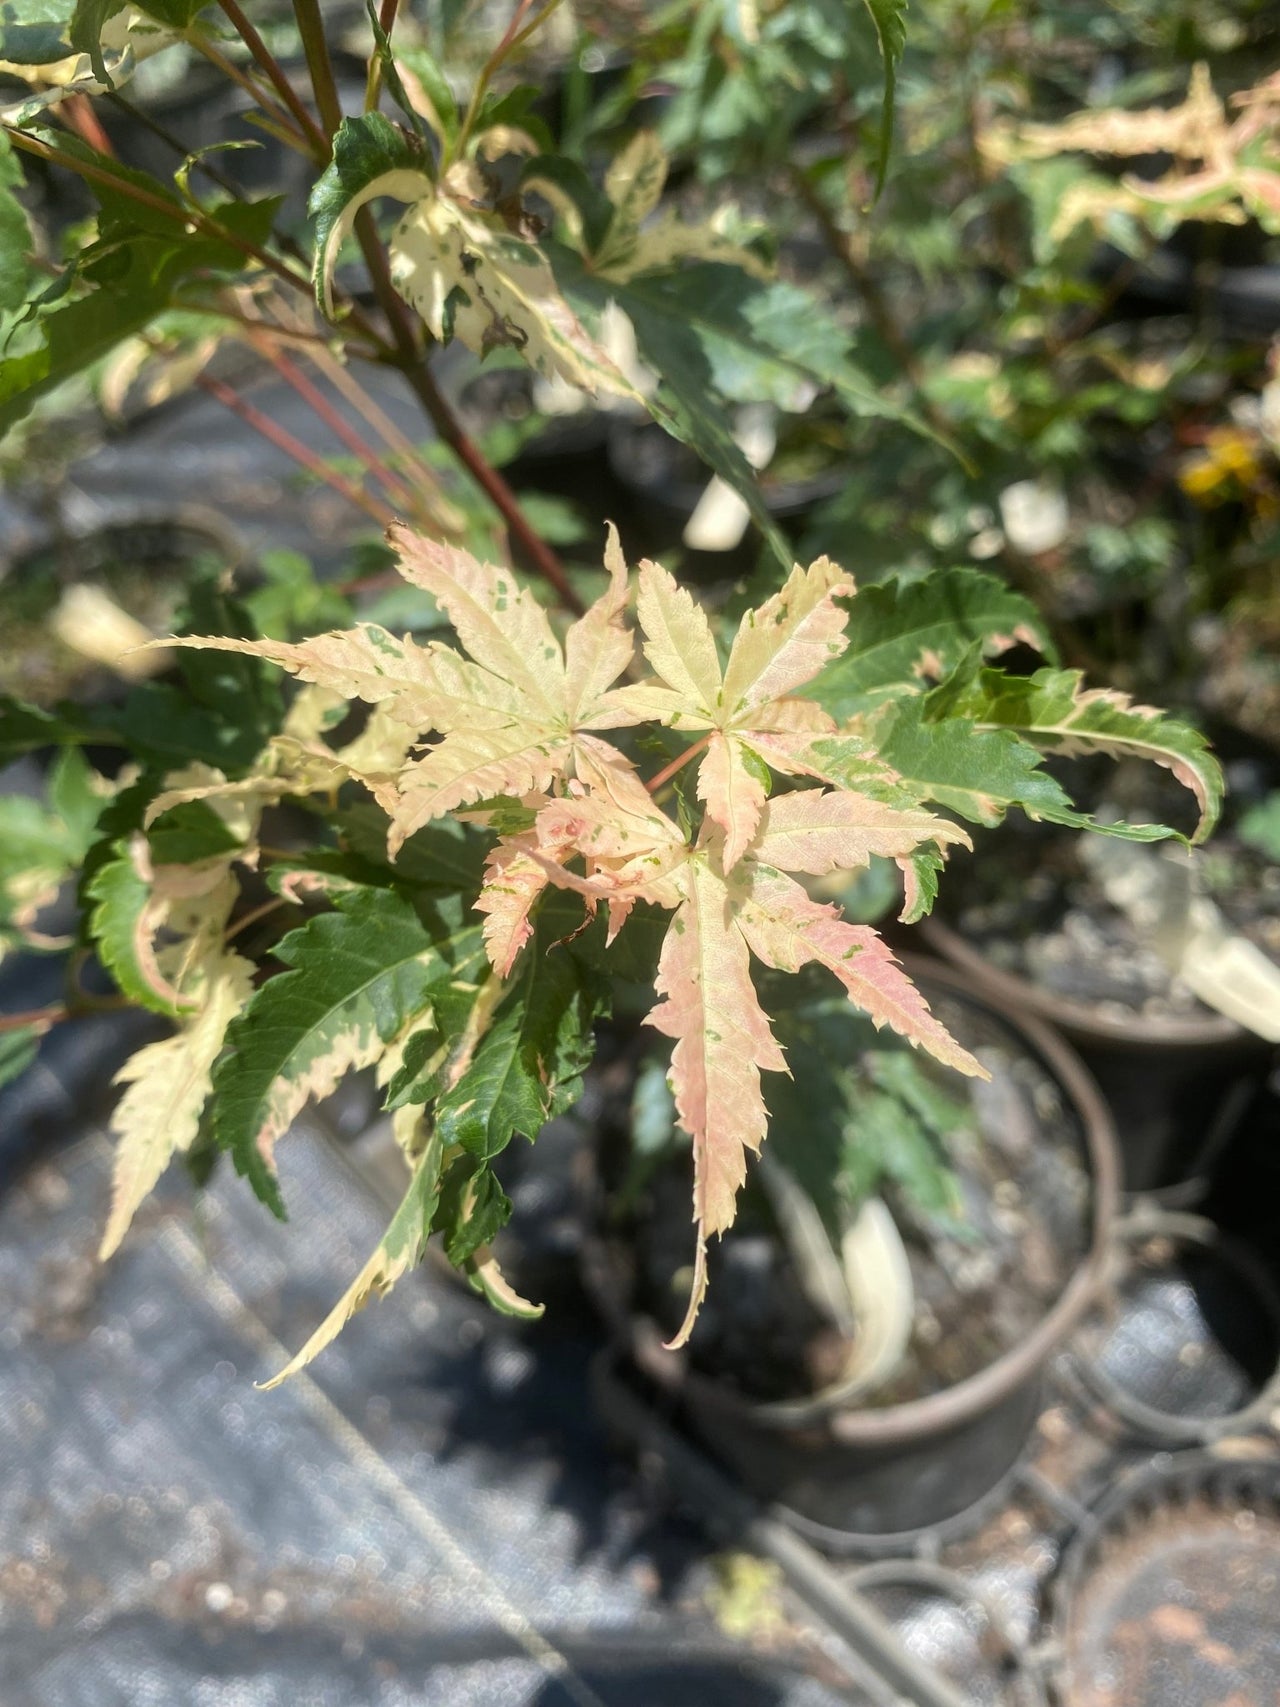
<point>885,1669</point>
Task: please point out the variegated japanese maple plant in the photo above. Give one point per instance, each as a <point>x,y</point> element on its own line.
<point>545,797</point>
<point>509,769</point>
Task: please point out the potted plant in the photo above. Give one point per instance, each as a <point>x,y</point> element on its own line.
<point>1165,975</point>
<point>583,786</point>
<point>910,1251</point>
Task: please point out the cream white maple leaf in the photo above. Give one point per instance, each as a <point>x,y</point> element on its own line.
<point>532,703</point>
<point>297,762</point>
<point>635,242</point>
<point>748,707</point>
<point>168,1085</point>
<point>515,713</point>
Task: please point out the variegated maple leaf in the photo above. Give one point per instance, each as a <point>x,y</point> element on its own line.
<point>515,713</point>
<point>749,707</point>
<point>526,705</point>
<point>708,1004</point>
<point>638,238</point>
<point>163,929</point>
<point>168,1085</point>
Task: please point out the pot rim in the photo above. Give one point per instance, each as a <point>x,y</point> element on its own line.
<point>937,1413</point>
<point>1180,1428</point>
<point>1082,1019</point>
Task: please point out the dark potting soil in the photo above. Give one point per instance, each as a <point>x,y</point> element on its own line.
<point>1032,905</point>
<point>982,1279</point>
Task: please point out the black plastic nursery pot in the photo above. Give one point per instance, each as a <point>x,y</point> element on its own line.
<point>865,1479</point>
<point>1185,1350</point>
<point>1167,1595</point>
<point>1172,1081</point>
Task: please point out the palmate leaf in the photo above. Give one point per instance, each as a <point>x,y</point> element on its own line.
<point>532,701</point>
<point>493,1072</point>
<point>465,272</point>
<point>978,773</point>
<point>134,273</point>
<point>723,1040</point>
<point>901,634</point>
<point>515,716</point>
<point>616,229</point>
<point>357,977</point>
<point>708,1003</point>
<point>722,1036</point>
<point>123,925</point>
<point>748,708</point>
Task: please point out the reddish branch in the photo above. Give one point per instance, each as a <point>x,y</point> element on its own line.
<point>302,454</point>
<point>409,354</point>
<point>270,66</point>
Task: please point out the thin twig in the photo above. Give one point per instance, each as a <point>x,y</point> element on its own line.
<point>373,83</point>
<point>270,65</point>
<point>315,46</point>
<point>163,134</point>
<point>269,328</point>
<point>665,775</point>
<point>409,355</point>
<point>450,429</point>
<point>401,448</point>
<point>396,488</point>
<point>78,112</point>
<point>293,447</point>
<point>255,913</point>
<point>514,38</point>
<point>279,117</point>
<point>42,1018</point>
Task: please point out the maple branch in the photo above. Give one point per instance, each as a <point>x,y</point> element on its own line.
<point>315,46</point>
<point>665,775</point>
<point>270,65</point>
<point>78,113</point>
<point>302,454</point>
<point>409,355</point>
<point>139,115</point>
<point>395,487</point>
<point>270,329</point>
<point>279,118</point>
<point>42,1017</point>
<point>397,442</point>
<point>495,488</point>
<point>182,214</point>
<point>254,914</point>
<point>514,38</point>
<point>373,83</point>
<point>412,364</point>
